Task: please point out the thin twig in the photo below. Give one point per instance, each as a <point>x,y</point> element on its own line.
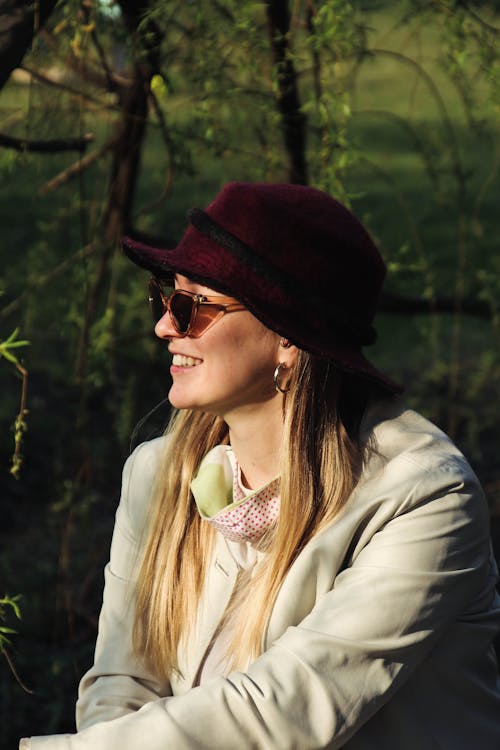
<point>43,78</point>
<point>20,424</point>
<point>485,25</point>
<point>445,117</point>
<point>9,661</point>
<point>44,279</point>
<point>406,211</point>
<point>412,131</point>
<point>316,59</point>
<point>77,66</point>
<point>112,83</point>
<point>75,169</point>
<point>162,124</point>
<point>169,177</point>
<point>167,186</point>
<point>225,12</point>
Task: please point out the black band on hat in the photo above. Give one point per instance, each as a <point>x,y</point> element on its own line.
<point>207,226</point>
<point>361,333</point>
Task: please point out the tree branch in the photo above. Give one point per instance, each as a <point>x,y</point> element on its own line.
<point>399,304</point>
<point>46,147</point>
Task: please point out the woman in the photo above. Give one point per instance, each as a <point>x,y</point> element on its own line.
<point>300,562</point>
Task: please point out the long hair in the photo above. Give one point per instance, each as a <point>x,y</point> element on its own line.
<point>320,464</point>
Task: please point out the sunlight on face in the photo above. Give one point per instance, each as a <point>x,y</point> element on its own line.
<point>230,367</point>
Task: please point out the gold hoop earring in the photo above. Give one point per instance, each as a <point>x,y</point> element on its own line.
<point>276,378</point>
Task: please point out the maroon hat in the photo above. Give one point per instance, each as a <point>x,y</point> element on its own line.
<point>294,256</point>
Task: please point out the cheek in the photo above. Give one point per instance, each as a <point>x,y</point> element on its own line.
<point>244,353</point>
<point>253,352</point>
<point>253,364</point>
<point>251,335</point>
<point>239,331</point>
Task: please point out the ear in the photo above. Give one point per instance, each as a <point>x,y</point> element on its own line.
<point>287,353</point>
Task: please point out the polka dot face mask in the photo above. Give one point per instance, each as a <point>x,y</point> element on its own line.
<point>240,514</point>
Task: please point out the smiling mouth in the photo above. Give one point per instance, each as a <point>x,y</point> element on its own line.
<point>179,360</point>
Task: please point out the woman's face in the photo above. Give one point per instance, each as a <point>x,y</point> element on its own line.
<point>229,368</point>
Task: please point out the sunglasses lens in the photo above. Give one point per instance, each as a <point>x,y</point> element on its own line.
<point>190,314</point>
<point>181,310</point>
<point>156,305</point>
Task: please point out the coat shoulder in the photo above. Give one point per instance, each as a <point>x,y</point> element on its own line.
<point>410,463</point>
<point>140,474</point>
<point>398,435</point>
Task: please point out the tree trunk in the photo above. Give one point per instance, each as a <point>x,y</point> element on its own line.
<point>125,162</point>
<point>293,121</point>
<point>19,23</point>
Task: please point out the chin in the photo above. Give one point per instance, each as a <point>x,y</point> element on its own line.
<point>180,403</point>
<point>181,400</point>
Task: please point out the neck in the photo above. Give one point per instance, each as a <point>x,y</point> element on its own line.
<point>256,439</point>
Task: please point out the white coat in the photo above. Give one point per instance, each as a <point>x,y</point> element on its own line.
<point>380,638</point>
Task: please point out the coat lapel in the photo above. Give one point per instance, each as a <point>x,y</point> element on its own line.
<point>215,597</point>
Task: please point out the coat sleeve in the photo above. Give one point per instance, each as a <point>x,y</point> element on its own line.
<point>117,683</point>
<point>323,679</point>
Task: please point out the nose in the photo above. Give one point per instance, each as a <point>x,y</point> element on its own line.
<point>164,328</point>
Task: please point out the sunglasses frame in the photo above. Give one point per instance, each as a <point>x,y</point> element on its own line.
<point>220,305</point>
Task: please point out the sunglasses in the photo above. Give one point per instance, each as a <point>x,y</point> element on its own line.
<point>191,314</point>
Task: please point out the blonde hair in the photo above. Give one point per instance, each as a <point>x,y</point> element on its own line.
<point>321,461</point>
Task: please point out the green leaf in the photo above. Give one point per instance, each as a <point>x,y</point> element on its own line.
<point>7,355</point>
<point>15,344</point>
<point>12,336</point>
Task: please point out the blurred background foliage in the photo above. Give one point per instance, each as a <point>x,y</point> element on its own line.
<point>122,115</point>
